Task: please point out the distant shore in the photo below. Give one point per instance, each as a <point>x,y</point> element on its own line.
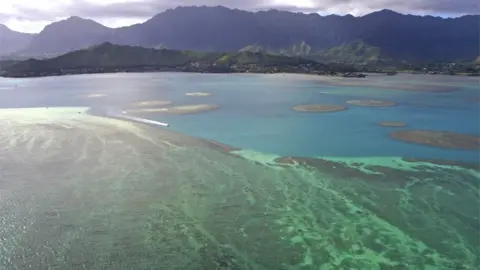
<point>308,75</point>
<point>260,70</point>
<point>136,70</point>
<point>341,81</point>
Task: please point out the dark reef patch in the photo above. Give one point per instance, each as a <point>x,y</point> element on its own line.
<point>221,147</point>
<point>343,171</point>
<point>475,100</point>
<point>358,170</point>
<point>442,139</point>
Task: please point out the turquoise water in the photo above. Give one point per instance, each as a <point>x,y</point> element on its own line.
<point>256,112</point>
<point>86,192</point>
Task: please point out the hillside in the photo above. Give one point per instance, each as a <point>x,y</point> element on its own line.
<point>6,63</point>
<point>108,57</point>
<point>215,29</point>
<point>262,58</point>
<point>301,49</point>
<point>356,51</point>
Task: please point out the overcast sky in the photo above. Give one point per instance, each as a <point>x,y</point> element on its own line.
<point>33,15</point>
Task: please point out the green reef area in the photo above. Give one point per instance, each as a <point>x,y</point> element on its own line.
<point>89,192</point>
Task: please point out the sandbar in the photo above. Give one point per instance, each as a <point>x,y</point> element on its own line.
<point>151,103</point>
<point>95,95</point>
<point>147,110</point>
<point>467,165</point>
<point>378,83</point>
<point>441,139</point>
<point>392,124</point>
<point>319,108</point>
<point>198,94</point>
<point>371,103</point>
<point>186,109</point>
<point>425,88</point>
<point>373,81</point>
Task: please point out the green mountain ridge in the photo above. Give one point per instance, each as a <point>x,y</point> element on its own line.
<point>356,51</point>
<point>301,49</point>
<point>108,57</point>
<point>246,57</point>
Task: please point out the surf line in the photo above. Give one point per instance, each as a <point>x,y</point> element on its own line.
<point>141,120</point>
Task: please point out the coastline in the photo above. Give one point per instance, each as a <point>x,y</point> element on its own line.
<point>56,74</point>
<point>310,74</point>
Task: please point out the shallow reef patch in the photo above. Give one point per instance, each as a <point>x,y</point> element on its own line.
<point>179,110</point>
<point>319,108</point>
<point>392,124</point>
<point>198,94</point>
<point>151,103</point>
<point>95,95</point>
<point>371,103</point>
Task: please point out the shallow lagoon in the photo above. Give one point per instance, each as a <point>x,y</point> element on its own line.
<point>256,109</point>
<point>153,198</point>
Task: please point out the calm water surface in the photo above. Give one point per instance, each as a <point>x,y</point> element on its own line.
<point>85,192</point>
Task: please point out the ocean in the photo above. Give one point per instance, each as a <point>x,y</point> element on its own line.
<point>248,183</point>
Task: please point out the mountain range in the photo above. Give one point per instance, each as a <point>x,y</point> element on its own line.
<point>385,34</point>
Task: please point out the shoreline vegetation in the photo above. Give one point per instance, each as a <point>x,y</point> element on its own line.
<point>111,58</point>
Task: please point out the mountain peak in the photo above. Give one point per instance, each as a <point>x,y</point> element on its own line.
<point>384,12</point>
<point>4,28</point>
<point>74,22</point>
<point>103,45</point>
<point>69,34</point>
<point>11,41</point>
<point>76,18</point>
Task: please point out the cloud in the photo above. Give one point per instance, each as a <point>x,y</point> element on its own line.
<point>116,12</point>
